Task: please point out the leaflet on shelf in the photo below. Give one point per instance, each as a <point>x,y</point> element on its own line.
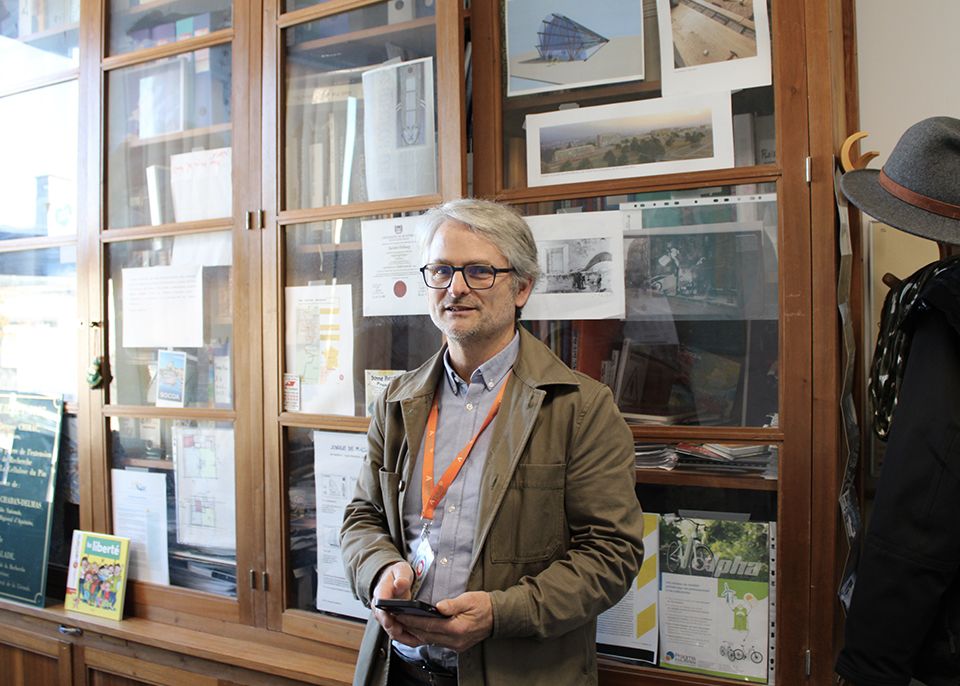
<point>97,574</point>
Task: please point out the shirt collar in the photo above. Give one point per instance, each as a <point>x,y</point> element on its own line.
<point>490,373</point>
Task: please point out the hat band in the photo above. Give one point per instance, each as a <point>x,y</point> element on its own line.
<point>944,209</point>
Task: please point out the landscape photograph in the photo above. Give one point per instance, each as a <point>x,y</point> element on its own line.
<point>626,141</point>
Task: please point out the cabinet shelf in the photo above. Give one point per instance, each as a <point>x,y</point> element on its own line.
<point>38,36</point>
<point>186,134</point>
<point>373,35</point>
<point>705,479</point>
<point>613,673</point>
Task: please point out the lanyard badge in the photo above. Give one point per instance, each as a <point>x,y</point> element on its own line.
<point>432,493</point>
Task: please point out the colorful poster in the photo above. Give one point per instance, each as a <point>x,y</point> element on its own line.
<point>715,587</point>
<point>319,347</point>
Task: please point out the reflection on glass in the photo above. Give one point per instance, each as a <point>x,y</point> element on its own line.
<point>302,513</point>
<point>360,107</point>
<point>38,322</point>
<point>169,140</point>
<point>37,40</point>
<point>323,469</point>
<point>174,489</point>
<point>38,194</point>
<point>139,24</point>
<point>340,356</point>
<point>699,344</point>
<point>170,321</point>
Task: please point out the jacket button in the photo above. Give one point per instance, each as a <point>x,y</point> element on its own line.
<point>383,653</point>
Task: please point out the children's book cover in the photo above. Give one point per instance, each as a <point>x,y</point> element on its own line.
<point>97,578</point>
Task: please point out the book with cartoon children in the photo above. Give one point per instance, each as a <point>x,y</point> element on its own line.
<point>97,577</point>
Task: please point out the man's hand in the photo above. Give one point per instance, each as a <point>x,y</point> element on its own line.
<point>469,621</point>
<point>395,582</point>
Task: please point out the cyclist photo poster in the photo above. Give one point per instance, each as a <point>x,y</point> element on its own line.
<point>715,597</point>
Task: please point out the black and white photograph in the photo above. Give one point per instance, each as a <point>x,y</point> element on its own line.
<point>709,45</point>
<point>581,264</point>
<point>560,44</point>
<point>710,272</point>
<point>665,135</point>
<point>575,265</point>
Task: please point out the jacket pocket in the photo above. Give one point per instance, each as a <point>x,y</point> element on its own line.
<point>530,524</point>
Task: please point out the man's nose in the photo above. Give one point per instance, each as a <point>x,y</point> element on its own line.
<point>458,284</point>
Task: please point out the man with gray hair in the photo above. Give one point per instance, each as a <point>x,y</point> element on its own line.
<point>498,485</point>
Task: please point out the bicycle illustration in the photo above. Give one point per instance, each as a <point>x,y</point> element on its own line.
<point>738,653</point>
<point>689,552</point>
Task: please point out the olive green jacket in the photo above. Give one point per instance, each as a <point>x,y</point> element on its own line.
<point>559,534</point>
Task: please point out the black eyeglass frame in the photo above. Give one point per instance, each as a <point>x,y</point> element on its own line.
<point>463,273</point>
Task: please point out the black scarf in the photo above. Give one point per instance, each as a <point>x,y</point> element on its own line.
<point>937,285</point>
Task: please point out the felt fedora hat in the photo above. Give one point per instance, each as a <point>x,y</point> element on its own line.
<point>918,189</point>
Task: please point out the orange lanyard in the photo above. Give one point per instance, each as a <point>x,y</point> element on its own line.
<point>431,494</point>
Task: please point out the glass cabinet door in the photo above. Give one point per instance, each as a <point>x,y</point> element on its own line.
<point>178,458</point>
<point>171,330</point>
<point>360,119</point>
<point>169,140</point>
<point>361,147</point>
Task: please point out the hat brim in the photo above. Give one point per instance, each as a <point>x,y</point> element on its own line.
<point>862,188</point>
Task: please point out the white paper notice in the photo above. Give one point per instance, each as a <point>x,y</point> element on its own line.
<point>200,182</point>
<point>140,514</point>
<point>392,284</point>
<point>206,493</point>
<point>398,130</point>
<point>163,307</point>
<point>338,458</point>
<point>206,249</point>
<point>581,259</point>
<point>319,347</point>
<point>629,628</point>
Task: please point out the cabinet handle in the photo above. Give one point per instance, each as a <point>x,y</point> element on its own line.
<point>70,630</point>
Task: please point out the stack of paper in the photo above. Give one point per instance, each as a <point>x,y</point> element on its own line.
<point>654,456</point>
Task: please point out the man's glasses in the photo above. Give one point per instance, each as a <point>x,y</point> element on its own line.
<point>478,277</point>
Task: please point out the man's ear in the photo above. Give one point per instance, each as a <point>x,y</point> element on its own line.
<point>522,293</point>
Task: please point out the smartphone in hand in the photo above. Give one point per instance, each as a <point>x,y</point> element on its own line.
<point>408,607</point>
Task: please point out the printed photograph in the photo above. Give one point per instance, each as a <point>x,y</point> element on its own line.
<point>629,139</point>
<point>567,44</point>
<point>709,45</point>
<point>718,275</point>
<point>583,265</point>
<point>707,31</point>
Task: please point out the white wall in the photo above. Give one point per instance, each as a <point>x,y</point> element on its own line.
<point>908,57</point>
<point>909,64</point>
<point>909,69</point>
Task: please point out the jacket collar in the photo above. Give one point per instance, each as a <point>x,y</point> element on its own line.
<point>536,366</point>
